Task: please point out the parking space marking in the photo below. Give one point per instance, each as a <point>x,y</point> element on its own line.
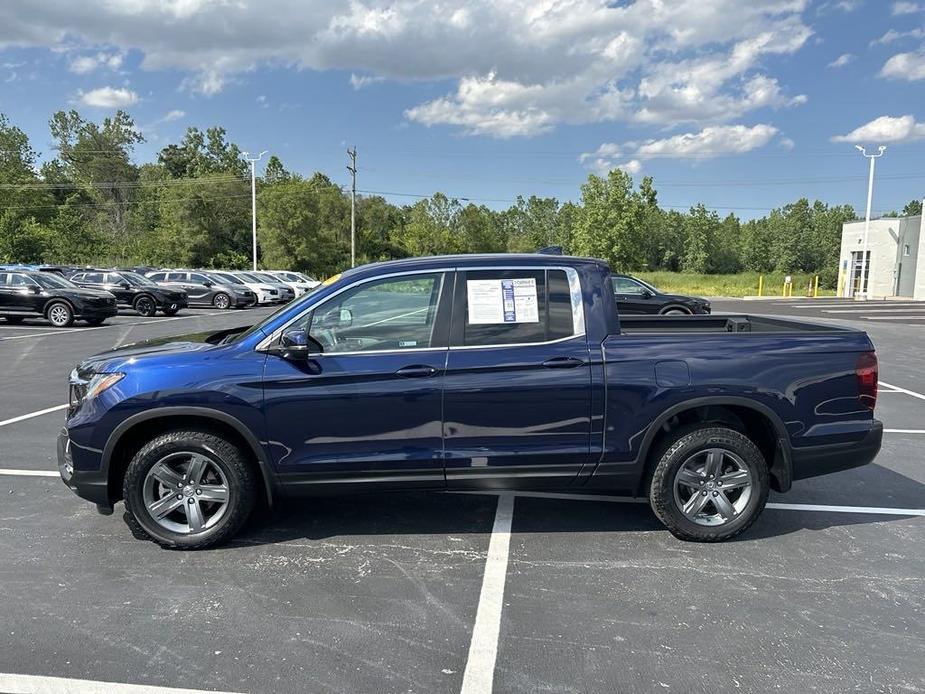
<point>37,684</point>
<point>37,413</point>
<point>904,431</point>
<point>894,317</point>
<point>70,331</point>
<point>903,390</point>
<point>874,510</point>
<point>919,309</point>
<point>483,649</point>
<point>29,473</point>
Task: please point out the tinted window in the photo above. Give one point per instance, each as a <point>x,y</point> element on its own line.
<point>198,278</point>
<point>114,278</point>
<point>485,298</point>
<point>624,285</point>
<point>390,314</point>
<point>157,276</point>
<point>177,277</point>
<point>93,277</point>
<point>3,278</point>
<point>21,281</point>
<point>561,322</point>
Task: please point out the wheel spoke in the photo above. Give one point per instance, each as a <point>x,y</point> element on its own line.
<point>212,492</point>
<point>736,479</point>
<point>163,474</point>
<point>695,504</point>
<point>162,507</point>
<point>714,463</point>
<point>197,466</point>
<point>690,478</point>
<point>194,515</point>
<point>722,504</point>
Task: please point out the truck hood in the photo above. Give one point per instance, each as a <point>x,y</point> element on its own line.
<point>158,348</point>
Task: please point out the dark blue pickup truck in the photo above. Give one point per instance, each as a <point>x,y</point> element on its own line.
<point>469,372</point>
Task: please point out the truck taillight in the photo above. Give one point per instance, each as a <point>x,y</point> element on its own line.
<point>866,371</point>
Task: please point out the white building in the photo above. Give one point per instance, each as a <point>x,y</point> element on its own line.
<point>896,251</point>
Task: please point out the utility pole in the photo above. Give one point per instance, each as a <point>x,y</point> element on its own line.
<point>253,162</point>
<point>865,263</point>
<point>352,153</point>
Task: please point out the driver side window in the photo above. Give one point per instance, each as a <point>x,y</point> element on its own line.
<point>624,285</point>
<point>390,314</point>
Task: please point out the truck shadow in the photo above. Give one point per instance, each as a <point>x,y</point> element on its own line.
<point>440,513</point>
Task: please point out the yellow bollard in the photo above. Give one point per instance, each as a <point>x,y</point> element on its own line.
<point>816,287</point>
<point>760,284</point>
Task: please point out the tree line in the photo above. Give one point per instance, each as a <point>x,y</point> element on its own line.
<point>91,204</point>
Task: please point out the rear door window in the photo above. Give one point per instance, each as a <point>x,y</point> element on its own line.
<point>157,276</point>
<point>176,277</point>
<point>512,307</point>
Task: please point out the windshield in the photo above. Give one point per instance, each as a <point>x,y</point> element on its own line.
<point>50,281</point>
<point>647,286</point>
<point>307,278</point>
<point>266,277</point>
<point>137,280</point>
<point>290,276</point>
<point>247,277</point>
<point>223,278</point>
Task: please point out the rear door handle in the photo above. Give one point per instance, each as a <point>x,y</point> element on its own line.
<point>563,363</point>
<point>417,371</point>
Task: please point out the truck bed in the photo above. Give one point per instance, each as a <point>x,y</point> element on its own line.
<point>728,323</point>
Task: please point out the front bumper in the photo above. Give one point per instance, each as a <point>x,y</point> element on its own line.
<point>812,461</point>
<point>91,485</point>
<point>105,311</point>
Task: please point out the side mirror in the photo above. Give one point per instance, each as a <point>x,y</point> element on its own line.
<point>646,294</point>
<point>125,285</point>
<point>208,283</point>
<point>346,317</point>
<point>35,289</point>
<point>297,345</point>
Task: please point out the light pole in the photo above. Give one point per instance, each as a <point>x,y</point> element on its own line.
<point>865,261</point>
<point>253,162</point>
<point>352,153</point>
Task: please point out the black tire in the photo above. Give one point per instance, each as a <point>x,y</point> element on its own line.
<point>682,449</point>
<point>145,306</point>
<point>676,311</point>
<point>228,458</point>
<point>14,320</point>
<point>221,301</point>
<point>170,311</point>
<point>94,321</point>
<point>60,314</point>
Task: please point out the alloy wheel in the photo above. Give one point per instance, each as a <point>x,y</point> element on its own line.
<point>222,301</point>
<point>59,315</point>
<point>713,487</point>
<point>186,492</point>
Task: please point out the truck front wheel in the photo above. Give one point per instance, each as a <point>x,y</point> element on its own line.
<point>709,483</point>
<point>188,490</point>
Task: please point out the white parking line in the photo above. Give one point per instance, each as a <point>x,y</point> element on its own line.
<point>28,473</point>
<point>919,309</point>
<point>875,510</point>
<point>70,331</point>
<point>894,317</point>
<point>37,413</point>
<point>904,431</point>
<point>483,649</point>
<point>35,684</point>
<point>897,389</point>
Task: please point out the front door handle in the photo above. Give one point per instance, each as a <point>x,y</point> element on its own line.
<point>563,363</point>
<point>417,371</point>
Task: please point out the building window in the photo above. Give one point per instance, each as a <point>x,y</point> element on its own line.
<point>906,250</point>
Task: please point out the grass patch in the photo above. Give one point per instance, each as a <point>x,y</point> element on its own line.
<point>739,284</point>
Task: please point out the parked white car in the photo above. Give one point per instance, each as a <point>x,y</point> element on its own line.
<point>300,283</point>
<point>266,294</point>
<point>286,293</point>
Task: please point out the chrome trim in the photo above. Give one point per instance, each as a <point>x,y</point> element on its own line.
<point>574,282</point>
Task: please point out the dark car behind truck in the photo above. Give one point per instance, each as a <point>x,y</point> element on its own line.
<point>469,372</point>
<point>26,294</point>
<point>133,291</point>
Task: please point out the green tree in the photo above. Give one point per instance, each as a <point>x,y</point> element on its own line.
<point>610,225</point>
<point>913,208</point>
<point>701,227</point>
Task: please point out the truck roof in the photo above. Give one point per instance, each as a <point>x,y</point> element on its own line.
<point>477,259</point>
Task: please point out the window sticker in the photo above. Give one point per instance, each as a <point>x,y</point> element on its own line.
<point>502,301</point>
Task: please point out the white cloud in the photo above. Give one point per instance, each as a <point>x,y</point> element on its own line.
<point>893,35</point>
<point>786,143</point>
<point>842,60</point>
<point>176,114</point>
<point>84,64</point>
<point>360,81</point>
<point>903,7</point>
<point>885,129</point>
<point>713,141</point>
<point>905,66</point>
<point>262,101</point>
<point>108,97</point>
<point>518,67</point>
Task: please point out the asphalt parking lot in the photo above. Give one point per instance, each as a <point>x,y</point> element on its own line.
<point>439,592</point>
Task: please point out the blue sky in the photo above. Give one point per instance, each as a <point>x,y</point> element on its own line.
<point>741,105</point>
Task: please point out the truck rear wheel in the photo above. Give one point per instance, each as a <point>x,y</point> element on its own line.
<point>188,490</point>
<point>710,483</point>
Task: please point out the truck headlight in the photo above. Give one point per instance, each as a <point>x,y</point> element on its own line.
<point>83,389</point>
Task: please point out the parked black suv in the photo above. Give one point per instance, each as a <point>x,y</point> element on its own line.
<point>46,295</point>
<point>635,296</point>
<point>133,290</point>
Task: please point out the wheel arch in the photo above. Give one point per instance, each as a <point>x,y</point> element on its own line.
<point>754,419</point>
<point>58,300</point>
<point>145,295</point>
<point>135,431</point>
<point>672,307</point>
